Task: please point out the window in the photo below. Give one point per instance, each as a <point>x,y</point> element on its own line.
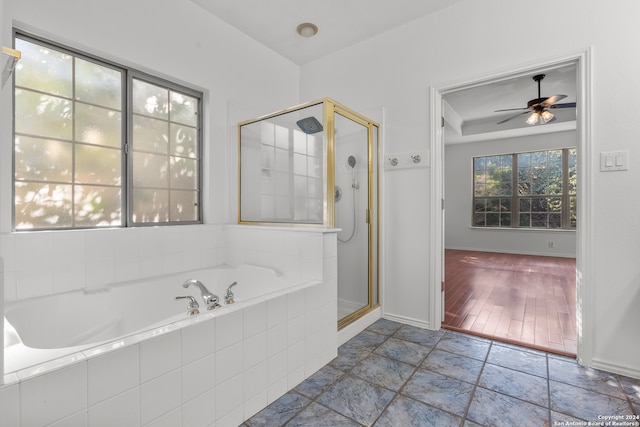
<point>526,190</point>
<point>101,145</point>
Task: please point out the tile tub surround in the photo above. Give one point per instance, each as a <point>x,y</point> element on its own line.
<point>79,259</point>
<point>221,370</point>
<point>49,262</point>
<point>398,375</point>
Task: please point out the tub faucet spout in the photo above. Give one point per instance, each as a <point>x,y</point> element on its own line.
<point>210,299</point>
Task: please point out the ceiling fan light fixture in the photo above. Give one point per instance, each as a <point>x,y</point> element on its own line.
<point>546,116</point>
<point>533,118</point>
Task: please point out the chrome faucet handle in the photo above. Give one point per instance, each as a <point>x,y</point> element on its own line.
<point>192,307</point>
<point>228,295</point>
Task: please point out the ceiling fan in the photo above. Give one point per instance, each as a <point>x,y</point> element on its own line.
<point>539,107</point>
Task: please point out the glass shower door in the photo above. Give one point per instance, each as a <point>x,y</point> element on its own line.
<point>352,192</point>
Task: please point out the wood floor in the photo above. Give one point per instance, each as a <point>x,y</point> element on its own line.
<point>523,299</point>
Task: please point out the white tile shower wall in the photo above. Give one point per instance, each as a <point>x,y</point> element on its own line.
<point>47,262</point>
<point>158,381</point>
<point>299,254</point>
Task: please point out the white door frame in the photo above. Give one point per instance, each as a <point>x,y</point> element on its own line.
<point>584,231</point>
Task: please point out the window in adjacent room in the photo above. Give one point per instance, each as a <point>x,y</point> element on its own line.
<point>97,144</point>
<point>526,190</point>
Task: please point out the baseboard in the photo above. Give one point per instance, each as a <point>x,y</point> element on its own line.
<point>408,321</point>
<point>507,251</point>
<point>627,371</point>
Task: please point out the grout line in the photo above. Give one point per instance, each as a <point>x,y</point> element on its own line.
<point>546,358</point>
<point>475,386</point>
<point>626,395</point>
<point>399,393</point>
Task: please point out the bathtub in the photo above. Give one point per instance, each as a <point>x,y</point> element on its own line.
<point>43,329</point>
<point>129,353</point>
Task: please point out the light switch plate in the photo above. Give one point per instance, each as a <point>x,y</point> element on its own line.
<point>611,161</point>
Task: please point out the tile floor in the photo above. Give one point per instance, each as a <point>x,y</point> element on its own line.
<point>398,375</point>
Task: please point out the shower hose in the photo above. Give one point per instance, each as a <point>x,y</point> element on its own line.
<point>353,228</point>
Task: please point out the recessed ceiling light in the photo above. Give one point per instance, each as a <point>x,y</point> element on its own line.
<point>307,29</point>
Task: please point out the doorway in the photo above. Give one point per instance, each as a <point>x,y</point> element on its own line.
<point>437,285</point>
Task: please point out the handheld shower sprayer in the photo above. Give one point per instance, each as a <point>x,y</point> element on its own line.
<point>351,160</point>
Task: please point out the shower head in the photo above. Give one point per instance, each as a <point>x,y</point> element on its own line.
<point>309,125</point>
<point>352,161</point>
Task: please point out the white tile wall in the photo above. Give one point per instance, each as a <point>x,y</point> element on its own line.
<point>255,319</point>
<point>105,381</point>
<point>199,412</point>
<point>255,349</point>
<point>229,397</point>
<point>229,329</point>
<point>76,420</point>
<point>53,396</point>
<point>46,262</point>
<point>194,346</point>
<point>121,410</point>
<point>160,355</point>
<point>276,339</point>
<point>159,396</point>
<point>68,273</point>
<point>216,372</point>
<point>276,311</point>
<point>229,362</point>
<point>170,419</point>
<point>10,405</point>
<point>197,377</point>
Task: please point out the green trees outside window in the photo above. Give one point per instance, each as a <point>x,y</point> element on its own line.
<point>526,190</point>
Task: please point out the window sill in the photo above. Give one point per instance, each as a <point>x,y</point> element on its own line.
<point>526,230</point>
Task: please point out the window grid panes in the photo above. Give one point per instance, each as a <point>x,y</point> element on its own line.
<point>493,189</point>
<point>70,161</point>
<point>545,182</point>
<point>67,142</point>
<point>164,145</point>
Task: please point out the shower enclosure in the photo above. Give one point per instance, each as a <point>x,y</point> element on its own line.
<point>316,164</point>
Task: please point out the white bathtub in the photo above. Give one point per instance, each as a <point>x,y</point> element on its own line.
<point>133,356</point>
<point>47,328</point>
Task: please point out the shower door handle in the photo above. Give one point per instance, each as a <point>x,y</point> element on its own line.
<point>368,216</point>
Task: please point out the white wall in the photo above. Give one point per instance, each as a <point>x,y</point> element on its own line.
<point>174,39</point>
<point>472,39</point>
<point>458,194</point>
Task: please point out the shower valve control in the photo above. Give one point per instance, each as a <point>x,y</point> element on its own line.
<point>416,158</point>
<point>393,161</point>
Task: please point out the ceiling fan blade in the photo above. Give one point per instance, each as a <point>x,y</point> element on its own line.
<point>564,105</point>
<point>512,109</point>
<point>512,117</point>
<point>552,100</point>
